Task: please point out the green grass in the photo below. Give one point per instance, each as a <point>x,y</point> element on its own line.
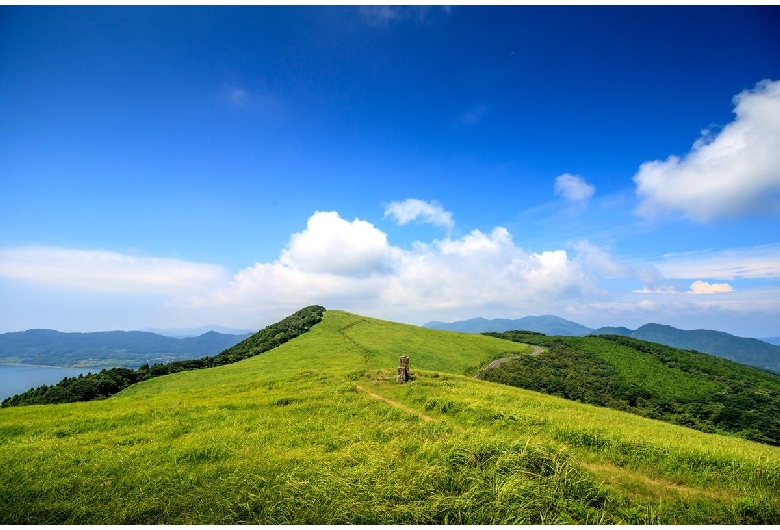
<point>317,431</point>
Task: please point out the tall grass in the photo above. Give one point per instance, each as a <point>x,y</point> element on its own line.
<point>317,431</point>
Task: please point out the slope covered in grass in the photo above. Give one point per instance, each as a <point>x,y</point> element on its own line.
<point>317,431</point>
<point>684,387</point>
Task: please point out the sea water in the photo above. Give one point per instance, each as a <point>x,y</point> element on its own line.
<point>18,378</point>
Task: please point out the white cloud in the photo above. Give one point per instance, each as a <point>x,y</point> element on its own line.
<point>735,172</point>
<point>759,262</point>
<point>332,245</point>
<point>102,271</point>
<point>415,209</point>
<point>351,266</point>
<point>700,287</point>
<point>573,188</point>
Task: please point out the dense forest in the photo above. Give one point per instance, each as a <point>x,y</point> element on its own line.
<point>108,382</point>
<point>688,388</point>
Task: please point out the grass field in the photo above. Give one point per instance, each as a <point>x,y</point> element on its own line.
<point>317,431</point>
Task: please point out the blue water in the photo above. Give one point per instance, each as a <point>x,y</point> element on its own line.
<point>16,378</point>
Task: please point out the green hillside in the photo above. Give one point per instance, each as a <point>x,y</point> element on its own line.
<point>684,387</point>
<point>759,353</point>
<point>317,431</point>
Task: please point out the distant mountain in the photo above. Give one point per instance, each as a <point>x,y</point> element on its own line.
<point>772,340</point>
<point>196,332</point>
<point>107,349</point>
<point>547,324</point>
<point>752,352</point>
<point>609,330</point>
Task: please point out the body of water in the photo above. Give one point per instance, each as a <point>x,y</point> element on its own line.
<point>18,378</point>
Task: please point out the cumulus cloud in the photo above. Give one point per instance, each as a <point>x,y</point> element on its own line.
<point>700,287</point>
<point>573,188</point>
<point>98,270</point>
<point>733,173</point>
<point>335,246</point>
<point>417,210</point>
<point>350,265</point>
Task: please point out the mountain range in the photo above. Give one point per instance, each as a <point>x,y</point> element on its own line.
<point>754,352</point>
<point>196,332</point>
<point>105,349</point>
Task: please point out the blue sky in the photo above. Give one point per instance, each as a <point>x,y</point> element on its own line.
<point>183,166</point>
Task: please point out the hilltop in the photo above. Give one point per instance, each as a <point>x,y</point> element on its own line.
<point>316,431</point>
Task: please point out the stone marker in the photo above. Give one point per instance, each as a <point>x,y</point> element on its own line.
<point>402,373</point>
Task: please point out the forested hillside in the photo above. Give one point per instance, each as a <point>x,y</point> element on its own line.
<point>688,388</point>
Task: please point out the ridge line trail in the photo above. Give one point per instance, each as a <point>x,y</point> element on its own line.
<point>355,343</point>
<point>537,350</point>
<point>374,395</point>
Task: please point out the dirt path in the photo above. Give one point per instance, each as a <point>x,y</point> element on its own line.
<point>352,341</point>
<point>396,404</point>
<point>537,351</point>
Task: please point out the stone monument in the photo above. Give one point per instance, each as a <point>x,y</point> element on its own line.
<point>402,373</point>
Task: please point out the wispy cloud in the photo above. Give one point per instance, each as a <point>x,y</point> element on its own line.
<point>473,115</point>
<point>416,210</point>
<point>103,271</point>
<point>759,262</point>
<point>573,188</point>
<point>733,173</point>
<point>258,100</point>
<point>386,15</point>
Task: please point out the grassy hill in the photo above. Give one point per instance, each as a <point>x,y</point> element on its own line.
<point>317,431</point>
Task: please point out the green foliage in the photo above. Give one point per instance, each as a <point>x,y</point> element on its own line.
<point>683,387</point>
<point>109,382</point>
